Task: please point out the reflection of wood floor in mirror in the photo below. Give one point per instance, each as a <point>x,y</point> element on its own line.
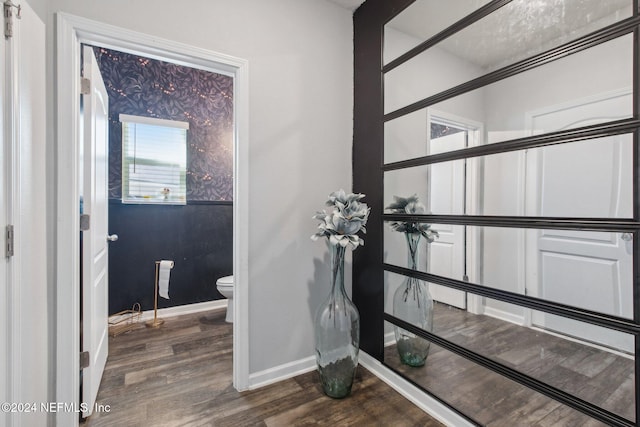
<point>181,375</point>
<point>594,375</point>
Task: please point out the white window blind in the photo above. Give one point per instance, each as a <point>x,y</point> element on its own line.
<point>154,160</point>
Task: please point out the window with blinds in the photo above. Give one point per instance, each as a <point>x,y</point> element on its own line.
<point>154,160</point>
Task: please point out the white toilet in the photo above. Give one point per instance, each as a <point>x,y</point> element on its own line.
<point>225,287</point>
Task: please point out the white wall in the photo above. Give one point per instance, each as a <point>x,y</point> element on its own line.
<point>603,68</point>
<point>300,55</point>
<point>39,7</point>
<point>427,74</point>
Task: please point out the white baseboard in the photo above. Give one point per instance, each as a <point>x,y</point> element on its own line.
<point>389,339</point>
<point>281,372</point>
<point>504,315</point>
<point>412,393</point>
<point>185,309</point>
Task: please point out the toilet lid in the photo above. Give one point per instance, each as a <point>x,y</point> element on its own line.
<point>225,281</point>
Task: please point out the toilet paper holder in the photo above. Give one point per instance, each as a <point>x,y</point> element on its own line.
<point>155,323</point>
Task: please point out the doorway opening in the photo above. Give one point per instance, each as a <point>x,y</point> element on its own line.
<point>71,34</point>
<point>162,181</point>
<point>454,253</point>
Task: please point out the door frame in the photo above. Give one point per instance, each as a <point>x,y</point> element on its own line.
<point>474,171</point>
<point>71,31</point>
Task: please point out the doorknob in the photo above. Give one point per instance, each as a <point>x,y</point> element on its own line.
<point>627,237</point>
<point>112,238</point>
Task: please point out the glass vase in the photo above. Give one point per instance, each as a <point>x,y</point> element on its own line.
<point>337,333</point>
<point>412,303</point>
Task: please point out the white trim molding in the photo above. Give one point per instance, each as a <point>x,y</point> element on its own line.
<point>430,405</point>
<point>282,372</point>
<point>389,338</point>
<point>67,266</point>
<point>514,318</point>
<point>71,32</point>
<point>180,310</point>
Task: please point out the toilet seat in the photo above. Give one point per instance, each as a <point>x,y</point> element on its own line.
<point>226,281</point>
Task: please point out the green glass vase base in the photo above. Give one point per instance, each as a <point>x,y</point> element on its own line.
<point>337,333</point>
<point>337,378</point>
<point>413,351</point>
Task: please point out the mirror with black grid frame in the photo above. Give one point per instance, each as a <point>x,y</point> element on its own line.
<point>590,178</point>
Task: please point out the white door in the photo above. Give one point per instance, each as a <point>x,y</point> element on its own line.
<point>5,206</point>
<point>447,196</point>
<point>23,189</point>
<point>585,269</point>
<point>95,280</point>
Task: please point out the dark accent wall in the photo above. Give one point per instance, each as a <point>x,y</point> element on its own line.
<point>198,236</point>
<point>438,131</point>
<point>368,134</point>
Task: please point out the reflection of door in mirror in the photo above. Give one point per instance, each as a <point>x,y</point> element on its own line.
<point>598,185</point>
<point>447,256</point>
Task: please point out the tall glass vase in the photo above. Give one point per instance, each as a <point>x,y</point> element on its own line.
<point>413,304</point>
<point>337,333</point>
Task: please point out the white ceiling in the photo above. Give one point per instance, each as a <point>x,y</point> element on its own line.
<point>515,30</point>
<point>519,29</point>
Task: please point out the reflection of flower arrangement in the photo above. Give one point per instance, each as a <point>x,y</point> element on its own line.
<point>411,205</point>
<point>347,218</point>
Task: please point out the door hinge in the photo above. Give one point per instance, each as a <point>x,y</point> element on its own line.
<point>85,86</point>
<point>84,359</point>
<point>9,239</point>
<point>8,17</point>
<point>85,222</point>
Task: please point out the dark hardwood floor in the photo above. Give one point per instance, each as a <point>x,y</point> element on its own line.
<point>181,375</point>
<point>597,376</point>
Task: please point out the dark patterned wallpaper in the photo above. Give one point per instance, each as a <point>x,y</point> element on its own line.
<point>152,88</point>
<point>438,130</point>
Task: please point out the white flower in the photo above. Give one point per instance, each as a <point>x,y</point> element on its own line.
<point>411,205</point>
<point>346,219</point>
